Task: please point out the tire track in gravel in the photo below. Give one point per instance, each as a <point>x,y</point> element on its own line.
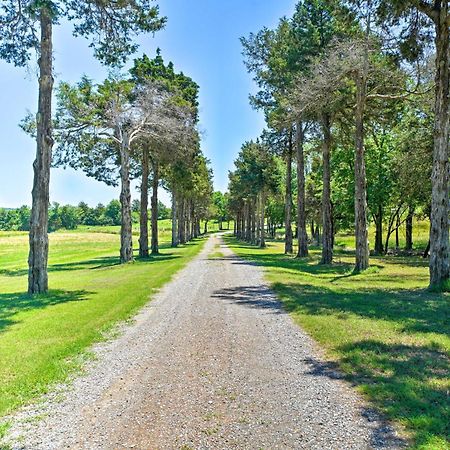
<point>213,362</point>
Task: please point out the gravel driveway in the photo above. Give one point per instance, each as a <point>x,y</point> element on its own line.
<point>213,362</point>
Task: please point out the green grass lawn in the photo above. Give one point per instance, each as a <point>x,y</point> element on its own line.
<point>43,338</point>
<point>382,328</point>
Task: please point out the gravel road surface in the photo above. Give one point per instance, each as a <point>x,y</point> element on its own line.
<point>213,362</point>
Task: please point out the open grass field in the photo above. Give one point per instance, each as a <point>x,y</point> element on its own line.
<point>387,334</point>
<point>165,229</point>
<point>44,338</point>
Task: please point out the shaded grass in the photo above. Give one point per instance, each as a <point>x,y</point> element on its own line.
<point>382,328</point>
<point>43,338</point>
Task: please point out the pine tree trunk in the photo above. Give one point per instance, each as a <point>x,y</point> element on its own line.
<point>38,237</point>
<point>361,234</point>
<point>409,229</point>
<point>288,241</point>
<point>143,235</point>
<point>188,221</point>
<point>427,250</point>
<point>262,240</point>
<point>126,229</point>
<point>182,221</point>
<point>301,195</point>
<point>154,207</point>
<point>327,225</point>
<point>253,219</point>
<point>379,231</point>
<point>242,231</point>
<point>439,234</point>
<point>174,221</point>
<point>397,237</point>
<point>193,223</point>
<point>258,219</point>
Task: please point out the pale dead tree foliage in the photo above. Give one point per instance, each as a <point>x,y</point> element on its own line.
<point>97,132</point>
<point>162,142</point>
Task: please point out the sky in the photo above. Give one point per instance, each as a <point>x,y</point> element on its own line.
<point>201,38</point>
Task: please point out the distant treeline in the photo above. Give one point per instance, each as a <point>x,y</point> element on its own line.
<point>69,217</point>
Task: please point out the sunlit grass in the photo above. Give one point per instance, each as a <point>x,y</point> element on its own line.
<point>385,331</point>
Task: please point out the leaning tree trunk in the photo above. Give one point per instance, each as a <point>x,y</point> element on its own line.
<point>361,234</point>
<point>38,238</point>
<point>126,229</point>
<point>288,242</point>
<point>409,229</point>
<point>143,235</point>
<point>327,221</point>
<point>154,206</point>
<point>439,233</point>
<point>301,195</point>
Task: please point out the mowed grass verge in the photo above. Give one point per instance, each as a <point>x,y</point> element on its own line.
<point>43,338</point>
<point>387,334</point>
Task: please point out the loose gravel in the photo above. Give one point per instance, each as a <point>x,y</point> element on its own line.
<point>213,362</point>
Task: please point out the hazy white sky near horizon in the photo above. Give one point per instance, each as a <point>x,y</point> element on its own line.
<point>202,40</point>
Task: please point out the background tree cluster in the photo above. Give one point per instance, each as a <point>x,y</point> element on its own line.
<point>70,217</point>
<point>356,93</point>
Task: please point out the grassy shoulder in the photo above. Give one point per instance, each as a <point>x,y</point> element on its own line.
<point>382,328</point>
<point>43,338</point>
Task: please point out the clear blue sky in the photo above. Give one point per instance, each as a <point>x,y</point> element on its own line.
<point>201,38</point>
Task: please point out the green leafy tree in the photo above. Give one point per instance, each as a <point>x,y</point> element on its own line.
<point>221,207</point>
<point>113,212</point>
<point>69,217</point>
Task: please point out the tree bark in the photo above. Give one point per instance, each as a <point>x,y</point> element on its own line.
<point>262,207</point>
<point>188,221</point>
<point>327,224</point>
<point>288,240</point>
<point>174,221</point>
<point>439,233</point>
<point>182,221</point>
<point>361,234</point>
<point>126,229</point>
<point>409,229</point>
<point>427,250</point>
<point>397,234</point>
<point>379,231</point>
<point>154,206</point>
<point>38,237</point>
<point>143,235</point>
<point>253,221</point>
<point>301,195</point>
